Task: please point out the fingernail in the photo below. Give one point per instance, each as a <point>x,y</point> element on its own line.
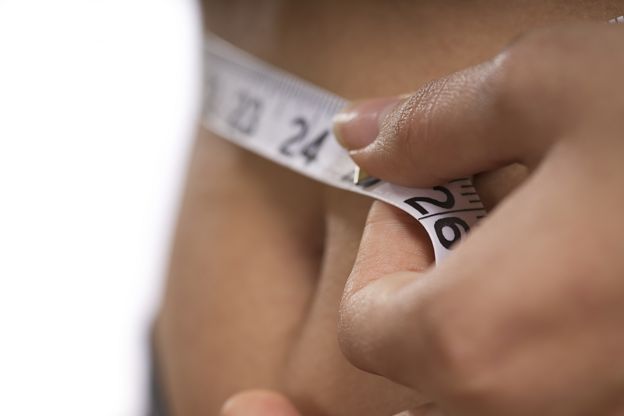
<point>258,403</point>
<point>358,124</point>
<point>226,407</point>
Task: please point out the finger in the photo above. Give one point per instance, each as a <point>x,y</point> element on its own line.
<point>393,252</point>
<point>391,241</point>
<point>429,410</point>
<point>462,124</point>
<point>258,403</point>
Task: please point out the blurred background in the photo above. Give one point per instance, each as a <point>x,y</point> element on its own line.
<point>98,106</point>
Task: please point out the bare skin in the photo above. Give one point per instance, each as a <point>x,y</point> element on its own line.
<point>262,255</point>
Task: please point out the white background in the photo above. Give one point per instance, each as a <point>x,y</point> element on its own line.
<point>98,101</point>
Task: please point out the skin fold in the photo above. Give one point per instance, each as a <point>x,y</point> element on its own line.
<point>261,255</point>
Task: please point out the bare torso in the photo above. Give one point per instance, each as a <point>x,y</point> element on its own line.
<point>262,254</point>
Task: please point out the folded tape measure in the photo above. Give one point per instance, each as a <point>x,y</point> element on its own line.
<point>289,121</point>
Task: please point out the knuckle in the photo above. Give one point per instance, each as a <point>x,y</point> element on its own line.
<point>366,332</point>
<point>520,70</point>
<point>530,82</point>
<point>416,125</point>
<point>410,132</point>
<point>565,70</point>
<point>352,330</point>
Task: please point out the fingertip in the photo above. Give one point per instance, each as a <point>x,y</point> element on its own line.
<point>428,410</point>
<point>258,403</point>
<point>392,241</point>
<point>357,125</point>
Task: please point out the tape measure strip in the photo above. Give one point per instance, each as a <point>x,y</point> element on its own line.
<point>617,20</point>
<point>288,121</point>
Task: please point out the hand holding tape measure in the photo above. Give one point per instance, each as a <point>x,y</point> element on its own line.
<point>526,317</point>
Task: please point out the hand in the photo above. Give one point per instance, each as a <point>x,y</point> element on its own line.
<point>527,316</point>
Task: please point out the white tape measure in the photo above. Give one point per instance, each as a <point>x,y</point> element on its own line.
<point>289,121</point>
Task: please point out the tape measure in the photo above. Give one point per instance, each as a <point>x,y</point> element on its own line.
<point>289,121</point>
<point>617,20</point>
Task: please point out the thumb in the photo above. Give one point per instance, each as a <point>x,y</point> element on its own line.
<point>394,252</point>
<point>468,122</point>
<point>258,403</point>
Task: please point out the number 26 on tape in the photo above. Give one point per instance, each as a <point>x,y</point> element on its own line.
<point>298,145</point>
<point>442,226</point>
